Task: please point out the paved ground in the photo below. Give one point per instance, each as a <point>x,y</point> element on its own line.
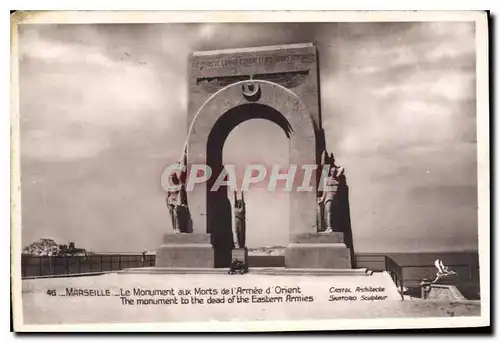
<point>42,308</point>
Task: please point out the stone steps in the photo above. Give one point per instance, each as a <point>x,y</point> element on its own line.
<point>253,270</point>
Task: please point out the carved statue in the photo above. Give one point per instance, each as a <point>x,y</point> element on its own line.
<point>443,271</point>
<point>329,200</point>
<point>330,160</point>
<point>239,220</point>
<point>177,205</point>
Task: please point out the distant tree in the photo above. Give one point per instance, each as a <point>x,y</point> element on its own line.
<point>48,247</point>
<point>42,247</point>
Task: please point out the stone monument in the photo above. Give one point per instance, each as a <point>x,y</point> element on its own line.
<point>279,84</point>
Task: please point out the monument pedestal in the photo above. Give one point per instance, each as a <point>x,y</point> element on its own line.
<point>318,250</point>
<point>185,250</point>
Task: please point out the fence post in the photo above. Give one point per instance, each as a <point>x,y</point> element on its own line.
<point>402,286</point>
<point>425,287</point>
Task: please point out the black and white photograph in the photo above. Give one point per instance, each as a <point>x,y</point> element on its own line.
<point>250,171</point>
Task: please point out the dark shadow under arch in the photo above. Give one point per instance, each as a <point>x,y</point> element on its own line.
<point>219,209</point>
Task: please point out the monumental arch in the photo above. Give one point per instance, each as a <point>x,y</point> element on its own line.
<point>228,87</point>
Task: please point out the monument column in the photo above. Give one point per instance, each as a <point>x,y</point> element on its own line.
<point>325,247</point>
<point>183,248</point>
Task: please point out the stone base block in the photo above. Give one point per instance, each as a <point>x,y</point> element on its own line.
<point>185,250</point>
<point>317,255</point>
<point>321,237</point>
<point>186,238</point>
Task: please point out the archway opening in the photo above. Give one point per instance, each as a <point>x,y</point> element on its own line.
<point>237,140</point>
<point>261,142</point>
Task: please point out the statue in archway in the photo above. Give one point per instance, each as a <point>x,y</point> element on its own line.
<point>330,199</point>
<point>240,219</point>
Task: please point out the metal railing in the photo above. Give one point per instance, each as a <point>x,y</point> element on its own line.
<point>39,266</point>
<point>466,271</point>
<point>380,263</point>
<point>396,273</point>
<point>408,274</point>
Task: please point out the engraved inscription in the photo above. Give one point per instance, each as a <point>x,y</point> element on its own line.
<point>246,61</point>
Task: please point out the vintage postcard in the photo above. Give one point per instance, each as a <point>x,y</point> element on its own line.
<point>250,171</point>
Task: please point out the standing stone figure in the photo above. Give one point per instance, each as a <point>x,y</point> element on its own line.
<point>239,220</point>
<point>173,203</point>
<point>177,206</point>
<point>330,198</point>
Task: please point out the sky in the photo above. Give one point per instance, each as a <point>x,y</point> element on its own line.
<point>103,110</point>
